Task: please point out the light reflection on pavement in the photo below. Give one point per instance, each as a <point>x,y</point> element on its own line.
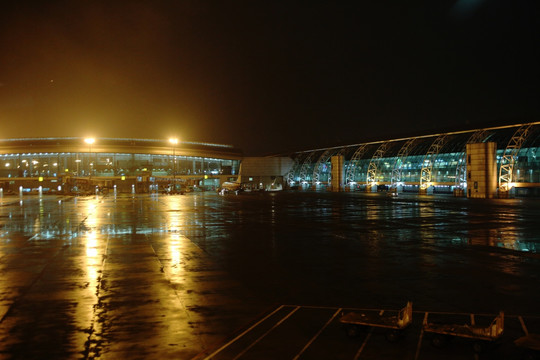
<point>109,278</point>
<point>148,276</point>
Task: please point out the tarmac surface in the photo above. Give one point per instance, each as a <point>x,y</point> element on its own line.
<point>260,275</point>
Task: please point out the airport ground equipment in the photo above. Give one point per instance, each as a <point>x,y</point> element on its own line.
<point>482,335</point>
<point>395,324</point>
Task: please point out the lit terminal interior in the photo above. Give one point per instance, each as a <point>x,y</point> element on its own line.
<point>83,165</point>
<point>484,163</point>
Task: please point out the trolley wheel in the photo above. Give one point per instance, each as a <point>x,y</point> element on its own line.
<point>439,341</point>
<point>352,330</point>
<point>394,335</point>
<point>479,346</point>
<point>529,354</point>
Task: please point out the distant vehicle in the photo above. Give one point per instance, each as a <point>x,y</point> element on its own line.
<point>231,186</point>
<point>275,187</point>
<point>237,187</point>
<point>228,187</point>
<point>79,192</point>
<point>172,189</point>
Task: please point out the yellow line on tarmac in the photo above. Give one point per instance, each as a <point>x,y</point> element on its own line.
<point>363,345</point>
<point>266,333</point>
<point>242,334</point>
<point>523,326</point>
<point>366,340</point>
<point>421,337</point>
<point>317,334</point>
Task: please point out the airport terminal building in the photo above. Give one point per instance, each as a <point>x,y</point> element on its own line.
<point>125,165</point>
<point>491,162</point>
<point>484,163</point>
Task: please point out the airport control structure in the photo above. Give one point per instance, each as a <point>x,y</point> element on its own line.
<point>497,162</point>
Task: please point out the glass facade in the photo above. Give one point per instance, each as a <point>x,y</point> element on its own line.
<point>111,164</point>
<point>138,163</point>
<point>405,160</point>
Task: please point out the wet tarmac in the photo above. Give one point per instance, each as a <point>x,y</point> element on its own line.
<point>177,277</point>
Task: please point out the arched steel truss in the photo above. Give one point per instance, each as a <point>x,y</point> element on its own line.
<point>461,169</point>
<point>294,169</point>
<point>429,160</point>
<point>372,168</point>
<point>353,164</point>
<point>400,158</point>
<point>509,156</point>
<point>304,170</point>
<point>323,159</point>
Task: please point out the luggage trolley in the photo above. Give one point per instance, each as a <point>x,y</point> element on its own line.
<point>482,335</point>
<point>395,325</point>
<point>530,346</point>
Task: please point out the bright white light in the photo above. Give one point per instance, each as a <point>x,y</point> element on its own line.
<point>89,141</point>
<point>173,141</point>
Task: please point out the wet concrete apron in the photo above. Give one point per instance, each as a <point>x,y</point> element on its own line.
<point>168,277</point>
<point>93,278</point>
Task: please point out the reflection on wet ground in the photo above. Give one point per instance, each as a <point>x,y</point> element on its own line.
<point>148,276</point>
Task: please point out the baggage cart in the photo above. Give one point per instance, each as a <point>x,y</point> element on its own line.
<point>395,325</point>
<point>481,335</point>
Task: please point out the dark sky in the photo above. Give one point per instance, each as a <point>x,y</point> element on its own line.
<point>266,76</point>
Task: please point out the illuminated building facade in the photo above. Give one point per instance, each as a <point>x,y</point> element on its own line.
<point>427,164</point>
<point>430,164</point>
<point>126,164</point>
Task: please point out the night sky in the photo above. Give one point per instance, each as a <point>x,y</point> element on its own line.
<point>267,76</point>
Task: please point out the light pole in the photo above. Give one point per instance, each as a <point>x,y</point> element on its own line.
<point>90,141</point>
<point>174,142</point>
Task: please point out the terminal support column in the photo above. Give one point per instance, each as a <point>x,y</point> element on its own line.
<point>338,172</point>
<point>481,170</point>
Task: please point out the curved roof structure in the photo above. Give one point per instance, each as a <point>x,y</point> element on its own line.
<point>118,145</point>
<point>428,159</point>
